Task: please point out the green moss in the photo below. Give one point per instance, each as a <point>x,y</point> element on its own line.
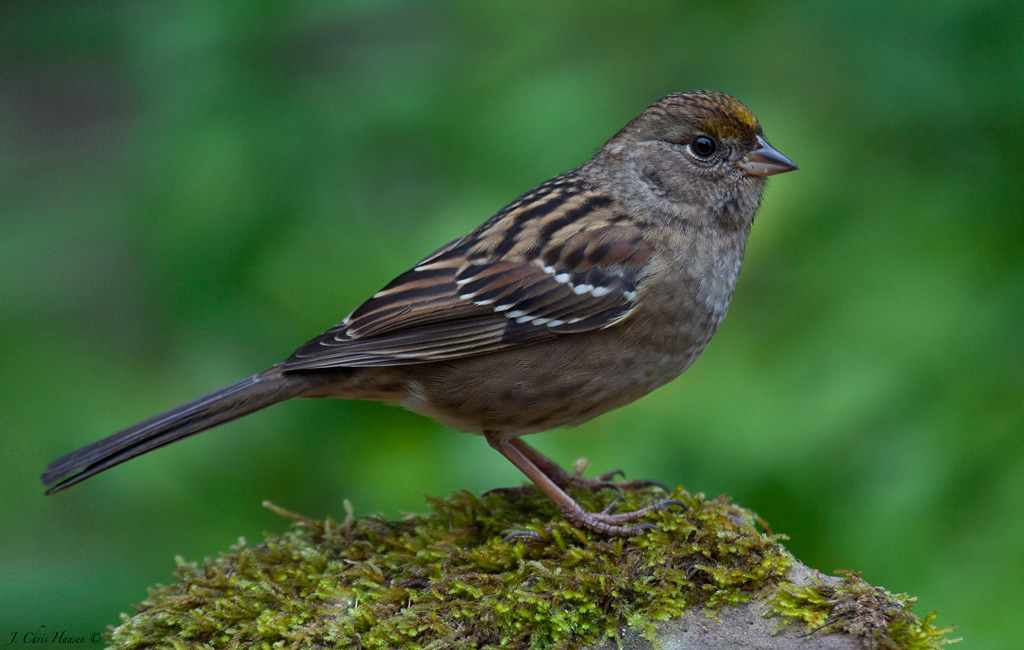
<point>448,580</point>
<point>883,620</point>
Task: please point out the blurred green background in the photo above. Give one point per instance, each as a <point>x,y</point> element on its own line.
<point>190,190</point>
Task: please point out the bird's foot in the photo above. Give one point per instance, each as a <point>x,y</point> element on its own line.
<point>605,480</point>
<point>607,522</point>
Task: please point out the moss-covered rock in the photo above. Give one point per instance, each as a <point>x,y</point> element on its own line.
<point>850,605</point>
<point>450,579</point>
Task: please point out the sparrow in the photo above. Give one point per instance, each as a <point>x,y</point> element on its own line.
<point>580,296</point>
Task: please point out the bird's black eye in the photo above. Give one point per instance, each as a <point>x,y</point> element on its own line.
<point>703,146</point>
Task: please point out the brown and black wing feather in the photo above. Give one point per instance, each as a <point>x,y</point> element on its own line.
<point>497,287</point>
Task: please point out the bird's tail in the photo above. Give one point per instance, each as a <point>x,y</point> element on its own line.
<point>220,406</point>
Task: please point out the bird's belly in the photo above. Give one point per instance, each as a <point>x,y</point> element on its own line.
<point>563,382</point>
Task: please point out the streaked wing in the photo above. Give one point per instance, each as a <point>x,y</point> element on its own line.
<point>496,288</point>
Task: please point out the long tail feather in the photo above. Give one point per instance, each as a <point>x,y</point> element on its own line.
<point>220,406</point>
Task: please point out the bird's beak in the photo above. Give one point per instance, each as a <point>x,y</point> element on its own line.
<point>766,160</point>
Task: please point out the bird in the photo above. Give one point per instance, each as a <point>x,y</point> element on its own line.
<point>582,295</point>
